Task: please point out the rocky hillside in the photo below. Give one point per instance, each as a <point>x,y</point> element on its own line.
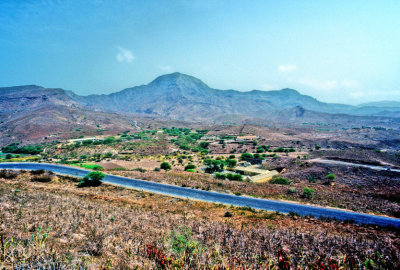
<point>35,112</point>
<point>180,96</point>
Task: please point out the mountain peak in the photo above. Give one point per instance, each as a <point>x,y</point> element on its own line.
<point>290,91</point>
<point>178,79</point>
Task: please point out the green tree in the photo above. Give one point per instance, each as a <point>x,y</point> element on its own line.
<point>213,165</point>
<point>246,155</point>
<point>204,145</point>
<point>204,152</point>
<point>190,167</point>
<point>231,163</point>
<point>92,179</point>
<point>165,166</point>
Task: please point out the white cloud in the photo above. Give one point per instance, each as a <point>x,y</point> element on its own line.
<point>287,68</point>
<point>124,55</point>
<point>320,84</point>
<point>330,84</point>
<point>166,68</point>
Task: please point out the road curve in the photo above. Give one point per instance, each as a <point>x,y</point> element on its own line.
<point>209,196</point>
<point>346,163</point>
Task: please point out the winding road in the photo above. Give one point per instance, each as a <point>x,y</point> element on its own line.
<point>346,163</point>
<point>209,196</point>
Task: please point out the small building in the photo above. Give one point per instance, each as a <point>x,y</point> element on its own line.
<point>247,138</point>
<point>85,139</point>
<point>210,138</point>
<point>255,173</point>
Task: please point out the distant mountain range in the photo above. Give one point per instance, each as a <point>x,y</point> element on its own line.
<point>178,96</point>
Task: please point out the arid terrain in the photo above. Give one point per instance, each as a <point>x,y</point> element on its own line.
<point>48,220</point>
<point>216,135</point>
<point>57,225</point>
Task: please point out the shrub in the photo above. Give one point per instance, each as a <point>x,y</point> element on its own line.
<point>37,172</point>
<point>220,176</point>
<point>234,177</point>
<point>92,179</point>
<point>140,170</point>
<point>108,155</point>
<point>204,152</point>
<point>165,166</point>
<point>260,149</point>
<point>246,155</point>
<point>6,174</point>
<point>42,178</point>
<point>279,180</point>
<point>231,162</point>
<point>311,179</point>
<point>213,165</point>
<point>184,147</point>
<point>92,167</point>
<point>190,170</point>
<point>181,242</point>
<point>190,167</point>
<point>292,191</point>
<point>331,177</point>
<point>204,145</point>
<point>308,192</point>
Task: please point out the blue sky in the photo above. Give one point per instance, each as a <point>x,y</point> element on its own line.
<point>336,51</point>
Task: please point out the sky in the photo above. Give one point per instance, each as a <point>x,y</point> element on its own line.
<point>336,51</point>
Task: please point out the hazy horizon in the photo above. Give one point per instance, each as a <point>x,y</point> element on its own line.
<point>342,52</point>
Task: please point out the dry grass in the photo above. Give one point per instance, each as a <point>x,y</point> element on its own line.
<point>377,195</point>
<point>58,225</point>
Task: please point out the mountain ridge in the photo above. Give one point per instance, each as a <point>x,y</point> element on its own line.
<point>184,97</point>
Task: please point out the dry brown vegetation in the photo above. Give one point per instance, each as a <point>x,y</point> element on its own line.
<point>57,225</point>
<point>364,190</point>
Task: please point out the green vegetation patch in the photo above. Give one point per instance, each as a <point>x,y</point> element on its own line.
<point>92,166</point>
<point>279,180</point>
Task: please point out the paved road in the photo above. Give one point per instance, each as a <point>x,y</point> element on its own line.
<point>271,205</point>
<point>345,163</point>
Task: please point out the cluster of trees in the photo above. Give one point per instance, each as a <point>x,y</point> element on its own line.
<point>218,165</point>
<point>229,176</point>
<point>187,140</point>
<point>27,149</point>
<point>106,141</point>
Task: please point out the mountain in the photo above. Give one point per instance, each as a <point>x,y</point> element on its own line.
<point>180,96</point>
<point>382,104</point>
<point>183,97</point>
<point>30,97</point>
<point>35,112</point>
